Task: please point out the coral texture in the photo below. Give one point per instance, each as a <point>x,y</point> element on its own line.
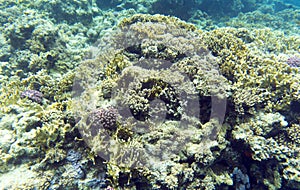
<point>33,95</point>
<point>157,102</point>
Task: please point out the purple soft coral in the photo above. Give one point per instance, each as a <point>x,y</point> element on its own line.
<point>33,95</point>
<point>293,61</point>
<point>103,118</point>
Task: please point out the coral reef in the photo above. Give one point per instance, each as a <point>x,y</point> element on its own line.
<point>134,74</point>
<point>156,103</point>
<point>268,16</point>
<point>156,81</point>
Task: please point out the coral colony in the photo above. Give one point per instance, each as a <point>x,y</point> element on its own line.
<point>293,61</point>
<point>103,118</point>
<point>33,95</point>
<point>116,95</point>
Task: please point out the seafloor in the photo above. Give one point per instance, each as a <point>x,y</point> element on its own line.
<point>157,94</point>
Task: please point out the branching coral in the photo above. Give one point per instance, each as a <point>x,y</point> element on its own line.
<point>169,84</point>
<point>155,70</point>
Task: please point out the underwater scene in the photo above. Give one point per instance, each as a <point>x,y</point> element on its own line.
<point>149,94</point>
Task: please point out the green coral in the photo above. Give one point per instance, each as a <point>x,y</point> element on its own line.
<point>257,81</point>
<point>41,44</point>
<point>284,20</point>
<point>142,65</point>
<point>149,56</point>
